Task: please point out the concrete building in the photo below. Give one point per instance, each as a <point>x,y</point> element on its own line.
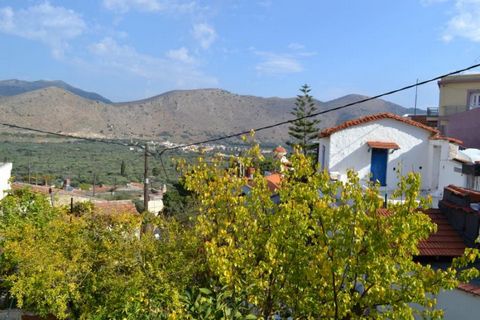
<point>5,174</point>
<point>383,146</point>
<point>464,126</point>
<point>457,94</point>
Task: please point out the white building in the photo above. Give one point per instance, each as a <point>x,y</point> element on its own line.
<point>5,173</point>
<point>379,147</point>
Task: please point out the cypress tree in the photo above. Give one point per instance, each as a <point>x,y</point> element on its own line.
<point>123,169</point>
<point>304,131</point>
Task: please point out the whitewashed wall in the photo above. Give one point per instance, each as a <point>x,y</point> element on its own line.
<point>457,304</point>
<point>5,173</point>
<point>450,170</point>
<point>348,149</point>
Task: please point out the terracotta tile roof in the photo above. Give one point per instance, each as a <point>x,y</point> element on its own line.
<point>374,117</point>
<point>34,188</point>
<point>112,207</point>
<point>383,145</point>
<point>454,206</point>
<point>274,181</point>
<point>470,288</point>
<point>280,149</point>
<point>449,139</point>
<point>445,242</point>
<point>459,191</point>
<point>384,212</point>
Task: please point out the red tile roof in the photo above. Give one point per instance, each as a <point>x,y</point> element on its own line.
<point>383,145</point>
<point>374,117</point>
<point>470,288</point>
<point>34,188</point>
<point>112,207</point>
<point>449,139</point>
<point>274,181</point>
<point>445,242</point>
<point>280,149</point>
<point>473,194</point>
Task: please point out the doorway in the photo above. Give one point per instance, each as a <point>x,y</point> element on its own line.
<point>378,166</point>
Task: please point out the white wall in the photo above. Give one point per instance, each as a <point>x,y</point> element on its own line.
<point>457,304</point>
<point>348,149</point>
<point>5,173</point>
<point>450,170</point>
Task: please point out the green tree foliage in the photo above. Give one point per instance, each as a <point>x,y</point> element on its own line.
<point>179,202</point>
<point>123,169</point>
<point>96,266</point>
<point>156,171</point>
<point>323,252</point>
<point>303,131</point>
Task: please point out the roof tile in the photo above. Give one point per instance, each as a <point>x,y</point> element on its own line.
<point>374,117</point>
<point>383,145</point>
<point>445,242</point>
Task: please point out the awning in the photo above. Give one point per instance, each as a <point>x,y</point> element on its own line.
<point>383,145</point>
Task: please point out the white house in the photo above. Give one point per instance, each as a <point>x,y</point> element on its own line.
<point>380,146</point>
<point>5,172</point>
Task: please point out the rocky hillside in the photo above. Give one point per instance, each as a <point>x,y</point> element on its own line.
<point>179,116</point>
<point>13,87</point>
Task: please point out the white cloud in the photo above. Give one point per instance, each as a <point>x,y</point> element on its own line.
<point>296,46</point>
<point>178,69</point>
<point>51,25</point>
<point>204,34</point>
<point>465,23</point>
<point>277,64</point>
<point>181,54</point>
<point>431,2</point>
<point>123,6</point>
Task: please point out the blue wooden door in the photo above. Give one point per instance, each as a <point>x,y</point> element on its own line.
<point>379,166</point>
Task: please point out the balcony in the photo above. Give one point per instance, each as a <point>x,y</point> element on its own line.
<point>432,112</point>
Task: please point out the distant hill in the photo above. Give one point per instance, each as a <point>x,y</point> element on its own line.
<point>13,87</point>
<point>178,116</point>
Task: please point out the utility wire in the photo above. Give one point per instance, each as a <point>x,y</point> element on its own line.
<point>66,135</point>
<point>273,125</point>
<point>416,84</point>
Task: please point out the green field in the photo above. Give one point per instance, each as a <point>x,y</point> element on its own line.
<point>37,157</point>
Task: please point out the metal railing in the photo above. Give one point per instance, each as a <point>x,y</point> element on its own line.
<point>432,112</point>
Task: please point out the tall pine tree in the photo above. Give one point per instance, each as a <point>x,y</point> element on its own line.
<point>304,131</point>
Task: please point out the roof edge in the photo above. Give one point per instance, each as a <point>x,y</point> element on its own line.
<point>374,117</point>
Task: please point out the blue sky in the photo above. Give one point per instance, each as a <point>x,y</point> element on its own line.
<point>132,49</point>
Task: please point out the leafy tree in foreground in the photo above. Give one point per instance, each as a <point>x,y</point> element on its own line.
<point>303,131</point>
<point>317,255</point>
<point>95,266</point>
<point>323,252</point>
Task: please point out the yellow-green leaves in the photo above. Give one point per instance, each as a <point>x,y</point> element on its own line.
<point>324,251</point>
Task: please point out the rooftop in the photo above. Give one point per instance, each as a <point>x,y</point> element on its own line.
<point>462,78</point>
<point>374,117</point>
<point>446,242</point>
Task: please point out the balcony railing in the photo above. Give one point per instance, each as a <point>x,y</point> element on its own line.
<point>432,112</point>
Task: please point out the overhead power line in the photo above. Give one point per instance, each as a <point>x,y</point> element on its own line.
<point>66,135</point>
<point>273,125</point>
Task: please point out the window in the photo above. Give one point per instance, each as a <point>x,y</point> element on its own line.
<point>474,101</point>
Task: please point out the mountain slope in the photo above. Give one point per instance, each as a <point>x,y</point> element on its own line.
<point>178,116</point>
<point>13,87</point>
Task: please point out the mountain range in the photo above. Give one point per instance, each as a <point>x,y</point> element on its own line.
<point>179,116</point>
